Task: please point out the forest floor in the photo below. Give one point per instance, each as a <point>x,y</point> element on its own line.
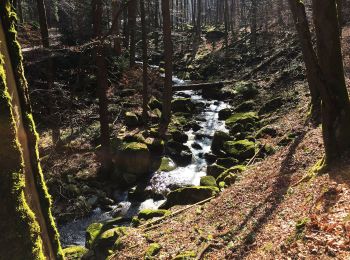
<point>278,209</point>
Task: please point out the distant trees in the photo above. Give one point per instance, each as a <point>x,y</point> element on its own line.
<point>27,228</point>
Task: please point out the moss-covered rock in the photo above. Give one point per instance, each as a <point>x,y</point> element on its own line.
<point>147,214</point>
<point>215,170</point>
<point>246,89</point>
<point>167,165</point>
<point>105,242</point>
<point>208,181</point>
<point>133,160</point>
<point>219,139</point>
<point>152,250</point>
<point>131,119</point>
<point>189,195</point>
<point>74,252</point>
<point>241,150</point>
<point>155,145</point>
<point>155,104</point>
<point>180,153</point>
<point>186,255</point>
<point>183,105</point>
<point>266,131</point>
<point>179,136</point>
<point>243,119</point>
<point>245,106</point>
<point>230,175</point>
<point>225,113</point>
<point>92,232</point>
<point>271,105</point>
<point>227,162</point>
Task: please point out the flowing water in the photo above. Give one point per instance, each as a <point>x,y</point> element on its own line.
<point>73,233</point>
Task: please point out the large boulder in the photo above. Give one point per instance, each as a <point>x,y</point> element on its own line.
<point>219,139</point>
<point>246,106</point>
<point>179,136</point>
<point>189,195</point>
<point>215,170</point>
<point>181,154</point>
<point>227,162</point>
<point>155,146</point>
<point>155,104</point>
<point>131,119</point>
<point>134,160</point>
<point>183,105</point>
<point>240,150</point>
<point>106,241</point>
<point>167,165</point>
<point>225,113</point>
<point>242,119</point>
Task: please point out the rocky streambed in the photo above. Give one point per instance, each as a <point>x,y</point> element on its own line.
<point>170,176</point>
<point>208,145</point>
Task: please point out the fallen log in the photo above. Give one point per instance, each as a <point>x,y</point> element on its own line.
<point>199,86</point>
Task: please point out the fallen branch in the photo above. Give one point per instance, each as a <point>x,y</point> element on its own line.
<point>204,249</point>
<point>256,154</point>
<point>175,213</point>
<point>198,86</point>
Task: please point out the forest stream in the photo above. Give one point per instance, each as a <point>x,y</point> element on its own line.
<point>73,232</point>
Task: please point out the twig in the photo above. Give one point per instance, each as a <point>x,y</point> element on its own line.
<point>253,158</point>
<point>204,249</point>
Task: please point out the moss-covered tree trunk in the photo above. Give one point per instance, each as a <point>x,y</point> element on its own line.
<point>26,225</point>
<point>335,99</point>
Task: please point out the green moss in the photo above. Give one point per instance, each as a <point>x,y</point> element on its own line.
<point>147,214</point>
<point>74,252</point>
<point>241,150</point>
<point>186,255</point>
<point>242,118</point>
<point>152,250</point>
<point>134,146</point>
<point>167,165</point>
<point>208,181</point>
<point>27,236</point>
<point>92,232</point>
<point>135,222</point>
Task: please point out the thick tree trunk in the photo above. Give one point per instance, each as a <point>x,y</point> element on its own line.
<point>168,55</point>
<point>199,18</point>
<point>27,228</point>
<point>145,98</point>
<point>102,86</point>
<point>313,70</point>
<point>335,99</point>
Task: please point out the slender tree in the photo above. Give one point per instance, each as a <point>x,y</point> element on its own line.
<point>132,9</point>
<point>102,85</point>
<point>27,227</point>
<point>168,56</point>
<point>145,62</point>
<point>313,70</point>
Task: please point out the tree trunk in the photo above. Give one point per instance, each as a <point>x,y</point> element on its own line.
<point>43,23</point>
<point>199,18</point>
<point>335,99</point>
<point>253,17</point>
<point>310,59</point>
<point>27,227</point>
<point>132,30</point>
<point>168,55</point>
<point>117,40</point>
<point>145,63</point>
<point>102,86</point>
